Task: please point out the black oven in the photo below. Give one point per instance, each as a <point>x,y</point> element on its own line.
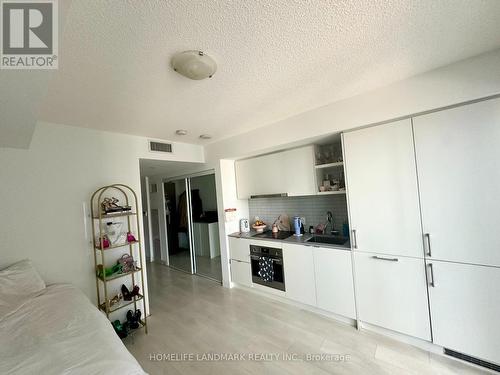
<point>267,267</point>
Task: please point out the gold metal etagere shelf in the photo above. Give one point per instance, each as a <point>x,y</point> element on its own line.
<point>98,217</point>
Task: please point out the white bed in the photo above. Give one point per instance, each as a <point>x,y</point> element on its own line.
<point>58,331</point>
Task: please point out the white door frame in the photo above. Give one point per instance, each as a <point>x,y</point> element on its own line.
<point>148,212</point>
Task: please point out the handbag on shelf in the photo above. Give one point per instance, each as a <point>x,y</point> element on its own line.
<point>105,242</point>
<point>127,262</point>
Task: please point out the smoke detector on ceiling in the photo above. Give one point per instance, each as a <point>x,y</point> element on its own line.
<point>194,65</point>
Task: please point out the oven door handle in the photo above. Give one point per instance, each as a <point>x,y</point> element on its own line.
<point>274,260</point>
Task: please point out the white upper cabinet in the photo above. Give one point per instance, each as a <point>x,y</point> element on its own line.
<point>458,161</point>
<point>290,172</point>
<point>382,188</point>
<point>465,306</point>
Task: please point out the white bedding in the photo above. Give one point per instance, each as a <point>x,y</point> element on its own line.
<point>61,332</point>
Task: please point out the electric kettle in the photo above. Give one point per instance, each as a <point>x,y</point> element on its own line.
<point>297,224</point>
<point>244,226</point>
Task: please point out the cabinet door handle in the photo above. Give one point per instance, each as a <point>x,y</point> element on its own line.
<point>428,242</point>
<point>384,258</point>
<point>431,276</point>
<point>355,240</point>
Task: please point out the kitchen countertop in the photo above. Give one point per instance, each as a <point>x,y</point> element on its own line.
<point>302,240</point>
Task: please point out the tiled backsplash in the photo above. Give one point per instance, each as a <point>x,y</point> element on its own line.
<point>312,208</point>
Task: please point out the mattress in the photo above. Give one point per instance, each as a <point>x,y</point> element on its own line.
<point>61,332</point>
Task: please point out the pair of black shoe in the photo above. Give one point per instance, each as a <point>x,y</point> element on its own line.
<point>128,295</point>
<point>133,318</point>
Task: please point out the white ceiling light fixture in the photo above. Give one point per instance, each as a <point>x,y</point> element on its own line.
<point>181,132</point>
<point>194,65</point>
<point>205,136</point>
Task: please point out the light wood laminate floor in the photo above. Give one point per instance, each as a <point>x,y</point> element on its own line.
<point>205,265</point>
<point>193,315</point>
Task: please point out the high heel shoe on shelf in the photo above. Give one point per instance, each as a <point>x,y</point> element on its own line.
<point>135,291</point>
<point>132,320</point>
<point>127,294</point>
<point>137,315</point>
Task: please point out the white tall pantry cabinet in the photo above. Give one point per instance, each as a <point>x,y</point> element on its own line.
<point>424,199</point>
<point>465,308</point>
<point>383,192</point>
<point>458,161</point>
<point>386,229</point>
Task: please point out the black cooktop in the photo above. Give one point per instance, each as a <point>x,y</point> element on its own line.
<point>276,236</point>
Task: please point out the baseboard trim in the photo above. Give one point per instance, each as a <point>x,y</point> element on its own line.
<point>401,337</point>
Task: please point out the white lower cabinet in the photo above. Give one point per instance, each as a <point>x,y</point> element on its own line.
<point>334,282</point>
<point>299,273</point>
<point>239,252</point>
<point>465,308</point>
<point>239,249</point>
<point>241,272</point>
<point>392,293</point>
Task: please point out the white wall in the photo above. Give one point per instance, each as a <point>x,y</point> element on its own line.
<point>466,80</point>
<point>225,180</point>
<point>43,190</point>
<point>157,202</point>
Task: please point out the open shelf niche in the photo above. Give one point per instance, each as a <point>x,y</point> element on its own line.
<point>329,166</point>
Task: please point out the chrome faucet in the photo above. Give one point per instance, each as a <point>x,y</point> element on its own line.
<point>329,221</point>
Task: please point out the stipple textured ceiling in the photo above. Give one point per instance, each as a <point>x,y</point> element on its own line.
<point>276,58</point>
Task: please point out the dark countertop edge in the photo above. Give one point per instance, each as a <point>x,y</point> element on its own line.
<point>291,240</point>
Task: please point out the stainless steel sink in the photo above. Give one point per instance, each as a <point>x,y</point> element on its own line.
<point>330,240</point>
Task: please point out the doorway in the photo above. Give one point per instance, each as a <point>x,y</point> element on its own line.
<point>177,222</point>
<point>192,226</point>
<point>207,260</point>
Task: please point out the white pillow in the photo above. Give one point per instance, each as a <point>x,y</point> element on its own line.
<point>18,283</point>
<point>21,278</point>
